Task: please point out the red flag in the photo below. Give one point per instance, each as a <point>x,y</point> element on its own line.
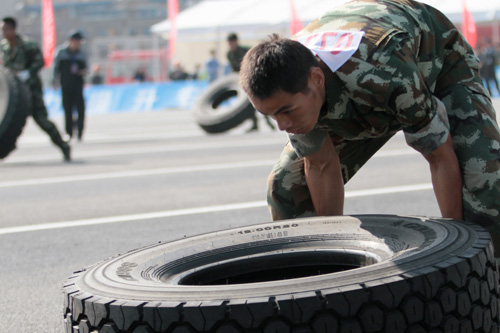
<point>48,32</point>
<point>295,24</point>
<point>173,10</point>
<point>469,27</point>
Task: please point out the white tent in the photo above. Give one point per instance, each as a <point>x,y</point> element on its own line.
<point>252,19</point>
<point>255,19</point>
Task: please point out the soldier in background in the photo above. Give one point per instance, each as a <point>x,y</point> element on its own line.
<point>178,74</point>
<point>235,56</point>
<point>25,58</point>
<point>212,67</point>
<point>489,61</point>
<point>70,68</point>
<point>355,77</point>
<point>236,52</point>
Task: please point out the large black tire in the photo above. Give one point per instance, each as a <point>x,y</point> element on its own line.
<point>210,112</point>
<point>372,273</point>
<point>14,109</point>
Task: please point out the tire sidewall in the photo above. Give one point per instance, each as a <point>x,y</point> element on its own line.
<point>220,119</point>
<point>15,107</point>
<point>406,245</point>
<point>8,100</point>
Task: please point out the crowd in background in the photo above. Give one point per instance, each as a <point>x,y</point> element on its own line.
<point>488,53</point>
<point>489,56</point>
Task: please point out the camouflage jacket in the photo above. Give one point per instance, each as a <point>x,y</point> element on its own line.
<point>387,85</point>
<point>25,55</point>
<point>236,57</point>
<point>68,67</point>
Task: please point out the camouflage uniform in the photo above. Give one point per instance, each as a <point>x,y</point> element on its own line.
<point>412,72</point>
<point>27,56</point>
<point>235,57</point>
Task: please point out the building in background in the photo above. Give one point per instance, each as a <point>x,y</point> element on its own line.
<point>205,25</point>
<point>108,25</point>
<point>138,29</point>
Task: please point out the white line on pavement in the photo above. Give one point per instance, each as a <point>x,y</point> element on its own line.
<point>177,147</point>
<point>136,173</point>
<point>388,190</point>
<point>150,150</point>
<point>162,171</point>
<point>107,137</point>
<point>192,211</point>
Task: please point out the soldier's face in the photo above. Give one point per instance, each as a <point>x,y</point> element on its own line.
<point>8,31</point>
<point>233,45</point>
<point>296,113</point>
<point>75,44</point>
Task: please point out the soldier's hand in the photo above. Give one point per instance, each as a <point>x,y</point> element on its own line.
<point>23,75</point>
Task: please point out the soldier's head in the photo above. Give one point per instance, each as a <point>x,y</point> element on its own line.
<point>75,40</point>
<point>232,40</point>
<point>283,80</point>
<point>9,25</point>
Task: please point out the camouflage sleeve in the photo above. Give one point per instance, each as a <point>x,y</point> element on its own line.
<point>309,143</point>
<point>423,117</point>
<point>35,58</point>
<point>434,134</point>
<point>3,49</point>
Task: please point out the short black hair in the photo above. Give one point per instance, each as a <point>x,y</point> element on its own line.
<point>232,37</point>
<point>10,21</point>
<point>75,34</point>
<point>276,64</point>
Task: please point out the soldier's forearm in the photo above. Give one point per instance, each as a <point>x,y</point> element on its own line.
<point>447,180</point>
<point>324,180</point>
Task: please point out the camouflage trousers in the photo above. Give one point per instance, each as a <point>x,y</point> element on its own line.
<point>41,117</point>
<point>476,141</point>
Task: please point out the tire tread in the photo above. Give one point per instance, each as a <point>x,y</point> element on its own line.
<point>458,295</point>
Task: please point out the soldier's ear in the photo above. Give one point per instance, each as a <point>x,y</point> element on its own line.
<point>316,77</point>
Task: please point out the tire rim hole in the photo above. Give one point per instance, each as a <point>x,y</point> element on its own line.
<point>225,99</point>
<point>277,267</point>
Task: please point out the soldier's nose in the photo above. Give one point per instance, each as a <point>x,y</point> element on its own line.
<point>284,124</point>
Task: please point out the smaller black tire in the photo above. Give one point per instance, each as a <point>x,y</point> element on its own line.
<point>14,109</point>
<point>210,111</point>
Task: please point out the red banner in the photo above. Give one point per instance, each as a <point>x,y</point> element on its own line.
<point>295,23</point>
<point>173,10</point>
<point>48,32</point>
<point>469,29</point>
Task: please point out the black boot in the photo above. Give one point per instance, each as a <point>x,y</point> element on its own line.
<point>58,141</point>
<point>66,149</point>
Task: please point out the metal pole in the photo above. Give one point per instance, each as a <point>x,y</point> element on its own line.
<point>156,62</point>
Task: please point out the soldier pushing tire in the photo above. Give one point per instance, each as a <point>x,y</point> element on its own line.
<point>367,273</point>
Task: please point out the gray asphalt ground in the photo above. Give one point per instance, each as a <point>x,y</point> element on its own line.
<point>140,178</point>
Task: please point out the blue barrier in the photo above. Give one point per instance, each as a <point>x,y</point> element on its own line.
<point>136,97</point>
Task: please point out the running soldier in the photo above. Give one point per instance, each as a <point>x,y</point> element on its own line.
<point>355,77</point>
<point>25,59</point>
<point>70,68</point>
